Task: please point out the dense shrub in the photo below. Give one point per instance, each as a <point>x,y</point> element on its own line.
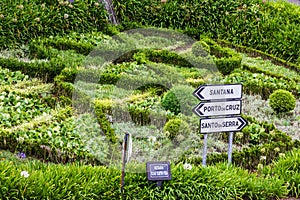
<point>176,129</point>
<point>170,102</point>
<point>23,21</point>
<point>282,101</point>
<point>179,99</point>
<point>250,23</point>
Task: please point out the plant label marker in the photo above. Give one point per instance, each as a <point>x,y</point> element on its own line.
<point>219,111</point>
<point>158,171</point>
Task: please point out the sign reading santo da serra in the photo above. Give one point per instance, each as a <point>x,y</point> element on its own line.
<point>227,124</point>
<point>217,92</point>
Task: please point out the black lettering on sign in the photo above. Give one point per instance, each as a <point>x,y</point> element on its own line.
<point>221,92</point>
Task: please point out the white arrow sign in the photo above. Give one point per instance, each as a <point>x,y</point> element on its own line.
<point>219,92</point>
<point>228,124</point>
<point>207,109</point>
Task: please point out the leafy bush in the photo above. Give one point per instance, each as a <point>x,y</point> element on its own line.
<point>179,99</point>
<point>170,102</point>
<point>282,101</point>
<point>176,129</point>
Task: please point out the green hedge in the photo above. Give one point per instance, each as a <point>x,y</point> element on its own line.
<point>33,139</point>
<point>250,23</point>
<point>226,60</point>
<point>23,21</point>
<point>265,144</point>
<point>44,69</point>
<point>264,85</point>
<point>257,53</point>
<point>43,48</point>
<point>48,181</point>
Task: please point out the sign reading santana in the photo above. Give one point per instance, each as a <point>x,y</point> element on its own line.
<point>218,92</point>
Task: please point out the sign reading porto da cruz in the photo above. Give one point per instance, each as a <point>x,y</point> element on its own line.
<point>218,92</point>
<point>158,171</point>
<point>226,124</point>
<point>207,109</point>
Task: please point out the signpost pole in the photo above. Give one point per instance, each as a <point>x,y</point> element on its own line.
<point>230,148</point>
<point>204,150</point>
<point>219,111</point>
<point>124,159</point>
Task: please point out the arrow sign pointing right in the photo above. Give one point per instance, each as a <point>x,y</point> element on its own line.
<point>227,124</point>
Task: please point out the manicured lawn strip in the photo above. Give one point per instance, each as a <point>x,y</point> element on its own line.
<point>75,181</point>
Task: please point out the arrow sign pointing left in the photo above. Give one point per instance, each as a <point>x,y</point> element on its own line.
<point>227,124</point>
<point>207,109</point>
<point>218,92</point>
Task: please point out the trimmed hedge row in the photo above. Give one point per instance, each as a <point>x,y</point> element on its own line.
<point>42,48</point>
<point>17,140</point>
<point>227,60</point>
<point>44,69</point>
<point>48,181</point>
<point>254,83</point>
<point>250,23</point>
<point>257,53</point>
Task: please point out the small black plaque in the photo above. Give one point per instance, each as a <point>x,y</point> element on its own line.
<point>159,171</point>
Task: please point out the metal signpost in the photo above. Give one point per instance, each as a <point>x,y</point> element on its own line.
<point>219,111</point>
<point>126,153</point>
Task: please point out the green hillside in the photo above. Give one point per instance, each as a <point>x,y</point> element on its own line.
<point>72,84</point>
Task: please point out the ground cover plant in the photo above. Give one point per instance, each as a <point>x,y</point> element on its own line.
<point>68,99</point>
